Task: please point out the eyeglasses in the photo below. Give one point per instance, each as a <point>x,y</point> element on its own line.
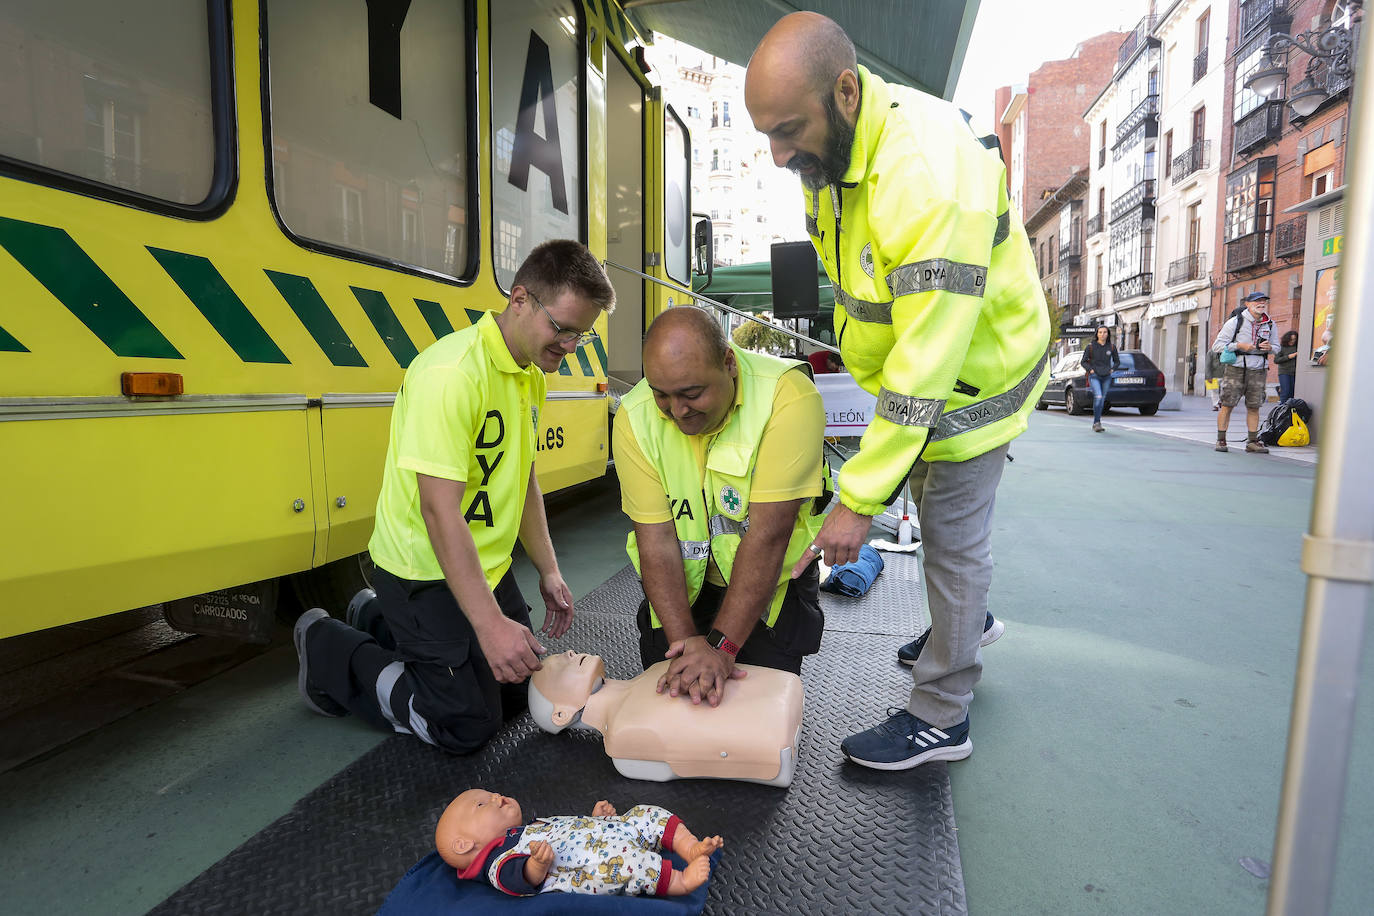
<point>563,335</point>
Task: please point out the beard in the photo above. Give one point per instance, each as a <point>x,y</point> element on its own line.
<point>831,165</point>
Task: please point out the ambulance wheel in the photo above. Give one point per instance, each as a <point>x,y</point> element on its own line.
<point>330,586</point>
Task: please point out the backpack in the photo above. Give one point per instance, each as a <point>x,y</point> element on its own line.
<point>1280,419</point>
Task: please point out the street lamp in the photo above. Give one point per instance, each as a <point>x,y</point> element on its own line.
<point>1332,46</point>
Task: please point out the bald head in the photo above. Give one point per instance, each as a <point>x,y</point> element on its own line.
<point>803,49</point>
<point>686,332</point>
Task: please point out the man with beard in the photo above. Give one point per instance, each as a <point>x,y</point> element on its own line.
<point>939,314</point>
<point>429,654</point>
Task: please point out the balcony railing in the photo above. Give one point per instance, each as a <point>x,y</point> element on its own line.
<point>1193,267</point>
<point>1256,13</point>
<point>1198,156</point>
<point>1247,251</point>
<point>1259,126</point>
<point>1143,194</point>
<point>1134,40</point>
<point>1093,301</point>
<point>1139,285</point>
<point>1147,109</point>
<point>1071,245</point>
<point>1094,225</point>
<point>1290,236</point>
<point>1200,65</point>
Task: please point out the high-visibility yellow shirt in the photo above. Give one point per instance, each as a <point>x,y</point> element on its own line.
<point>789,457</point>
<point>939,310</point>
<point>465,412</point>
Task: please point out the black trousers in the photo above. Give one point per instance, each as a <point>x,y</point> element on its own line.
<point>797,633</point>
<point>414,664</point>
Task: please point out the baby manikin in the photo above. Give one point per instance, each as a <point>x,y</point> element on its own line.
<point>752,735</point>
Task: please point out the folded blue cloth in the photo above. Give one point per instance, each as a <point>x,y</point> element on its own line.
<point>855,579</point>
<point>431,886</point>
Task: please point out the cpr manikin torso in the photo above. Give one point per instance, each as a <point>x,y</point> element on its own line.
<point>752,735</point>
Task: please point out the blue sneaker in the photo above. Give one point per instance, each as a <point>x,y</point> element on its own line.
<point>992,631</point>
<point>905,741</point>
<point>314,697</point>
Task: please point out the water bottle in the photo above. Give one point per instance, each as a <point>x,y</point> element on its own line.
<point>904,531</point>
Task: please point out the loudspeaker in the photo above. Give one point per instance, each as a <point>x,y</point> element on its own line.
<point>796,290</point>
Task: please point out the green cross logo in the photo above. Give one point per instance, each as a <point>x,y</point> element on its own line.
<point>730,498</point>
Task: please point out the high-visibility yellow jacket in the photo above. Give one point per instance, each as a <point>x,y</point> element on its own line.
<point>939,307</point>
<point>713,502</point>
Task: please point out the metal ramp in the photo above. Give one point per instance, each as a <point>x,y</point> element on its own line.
<point>841,839</point>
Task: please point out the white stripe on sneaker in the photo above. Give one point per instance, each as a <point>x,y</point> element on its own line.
<point>927,738</point>
<point>942,735</point>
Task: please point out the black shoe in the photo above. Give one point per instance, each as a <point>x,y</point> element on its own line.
<point>357,605</point>
<point>992,631</point>
<point>314,697</point>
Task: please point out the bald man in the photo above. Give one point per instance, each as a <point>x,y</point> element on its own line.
<point>718,451</point>
<point>939,314</point>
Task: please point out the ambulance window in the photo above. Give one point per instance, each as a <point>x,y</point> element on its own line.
<point>536,128</point>
<point>677,174</point>
<point>370,130</point>
<point>98,100</point>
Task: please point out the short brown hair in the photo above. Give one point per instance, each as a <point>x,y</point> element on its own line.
<point>564,264</point>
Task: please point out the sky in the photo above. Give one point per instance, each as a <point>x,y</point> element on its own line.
<point>1013,37</point>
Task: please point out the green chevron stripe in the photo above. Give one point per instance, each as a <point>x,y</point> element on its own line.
<point>315,315</point>
<point>212,295</point>
<point>582,361</point>
<point>474,316</point>
<point>9,344</point>
<point>600,349</point>
<point>387,324</point>
<point>564,368</point>
<point>60,264</point>
<point>434,317</point>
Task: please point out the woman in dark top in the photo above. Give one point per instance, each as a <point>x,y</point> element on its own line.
<point>1287,363</point>
<point>1099,359</point>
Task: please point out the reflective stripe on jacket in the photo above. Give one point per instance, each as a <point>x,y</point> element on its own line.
<point>940,312</point>
<point>711,508</point>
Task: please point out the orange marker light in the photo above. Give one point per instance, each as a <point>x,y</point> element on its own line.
<point>603,386</point>
<point>144,384</point>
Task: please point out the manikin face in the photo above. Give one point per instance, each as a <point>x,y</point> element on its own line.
<point>690,391</point>
<point>475,818</point>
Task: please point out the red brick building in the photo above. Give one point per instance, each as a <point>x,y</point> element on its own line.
<point>1281,180</point>
<point>1044,138</point>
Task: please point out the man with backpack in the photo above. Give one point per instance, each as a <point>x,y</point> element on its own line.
<point>1243,345</point>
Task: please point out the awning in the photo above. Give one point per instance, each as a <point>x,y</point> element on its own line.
<point>749,287</point>
<point>917,44</point>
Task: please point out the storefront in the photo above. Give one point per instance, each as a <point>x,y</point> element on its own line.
<point>1175,339</point>
<point>1320,282</point>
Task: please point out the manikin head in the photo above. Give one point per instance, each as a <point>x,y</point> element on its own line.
<point>560,689</point>
<point>470,822</point>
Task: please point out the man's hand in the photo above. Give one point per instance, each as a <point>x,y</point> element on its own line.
<point>558,603</point>
<point>539,862</point>
<point>603,808</point>
<point>839,539</point>
<point>1264,346</point>
<point>1245,347</point>
<point>510,648</point>
<point>698,670</point>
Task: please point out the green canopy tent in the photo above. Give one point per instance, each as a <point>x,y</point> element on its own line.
<point>749,288</point>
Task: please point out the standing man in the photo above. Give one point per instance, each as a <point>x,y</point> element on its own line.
<point>940,314</point>
<point>719,456</point>
<point>1250,335</point>
<point>457,489</point>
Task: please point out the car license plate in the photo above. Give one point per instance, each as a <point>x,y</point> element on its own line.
<point>1128,381</point>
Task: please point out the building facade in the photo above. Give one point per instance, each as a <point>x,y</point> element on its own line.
<point>1043,120</point>
<point>1056,236</point>
<point>1174,333</point>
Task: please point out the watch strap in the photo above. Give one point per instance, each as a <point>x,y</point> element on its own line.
<point>718,640</point>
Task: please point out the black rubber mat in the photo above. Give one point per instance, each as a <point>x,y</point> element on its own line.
<point>841,839</point>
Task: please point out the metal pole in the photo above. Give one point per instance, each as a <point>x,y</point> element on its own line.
<point>1338,557</point>
<point>722,306</point>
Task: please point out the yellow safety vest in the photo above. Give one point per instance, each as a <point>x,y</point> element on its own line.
<point>940,312</point>
<point>711,508</point>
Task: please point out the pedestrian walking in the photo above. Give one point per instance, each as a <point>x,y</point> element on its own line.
<point>1100,359</point>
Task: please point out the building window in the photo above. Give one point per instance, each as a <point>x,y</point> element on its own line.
<point>1321,183</point>
<point>1168,152</point>
<point>1248,60</point>
<point>725,113</point>
<point>1250,199</point>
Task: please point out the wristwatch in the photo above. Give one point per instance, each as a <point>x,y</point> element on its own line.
<point>718,640</point>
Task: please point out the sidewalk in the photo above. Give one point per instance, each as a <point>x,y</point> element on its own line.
<point>1197,422</point>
